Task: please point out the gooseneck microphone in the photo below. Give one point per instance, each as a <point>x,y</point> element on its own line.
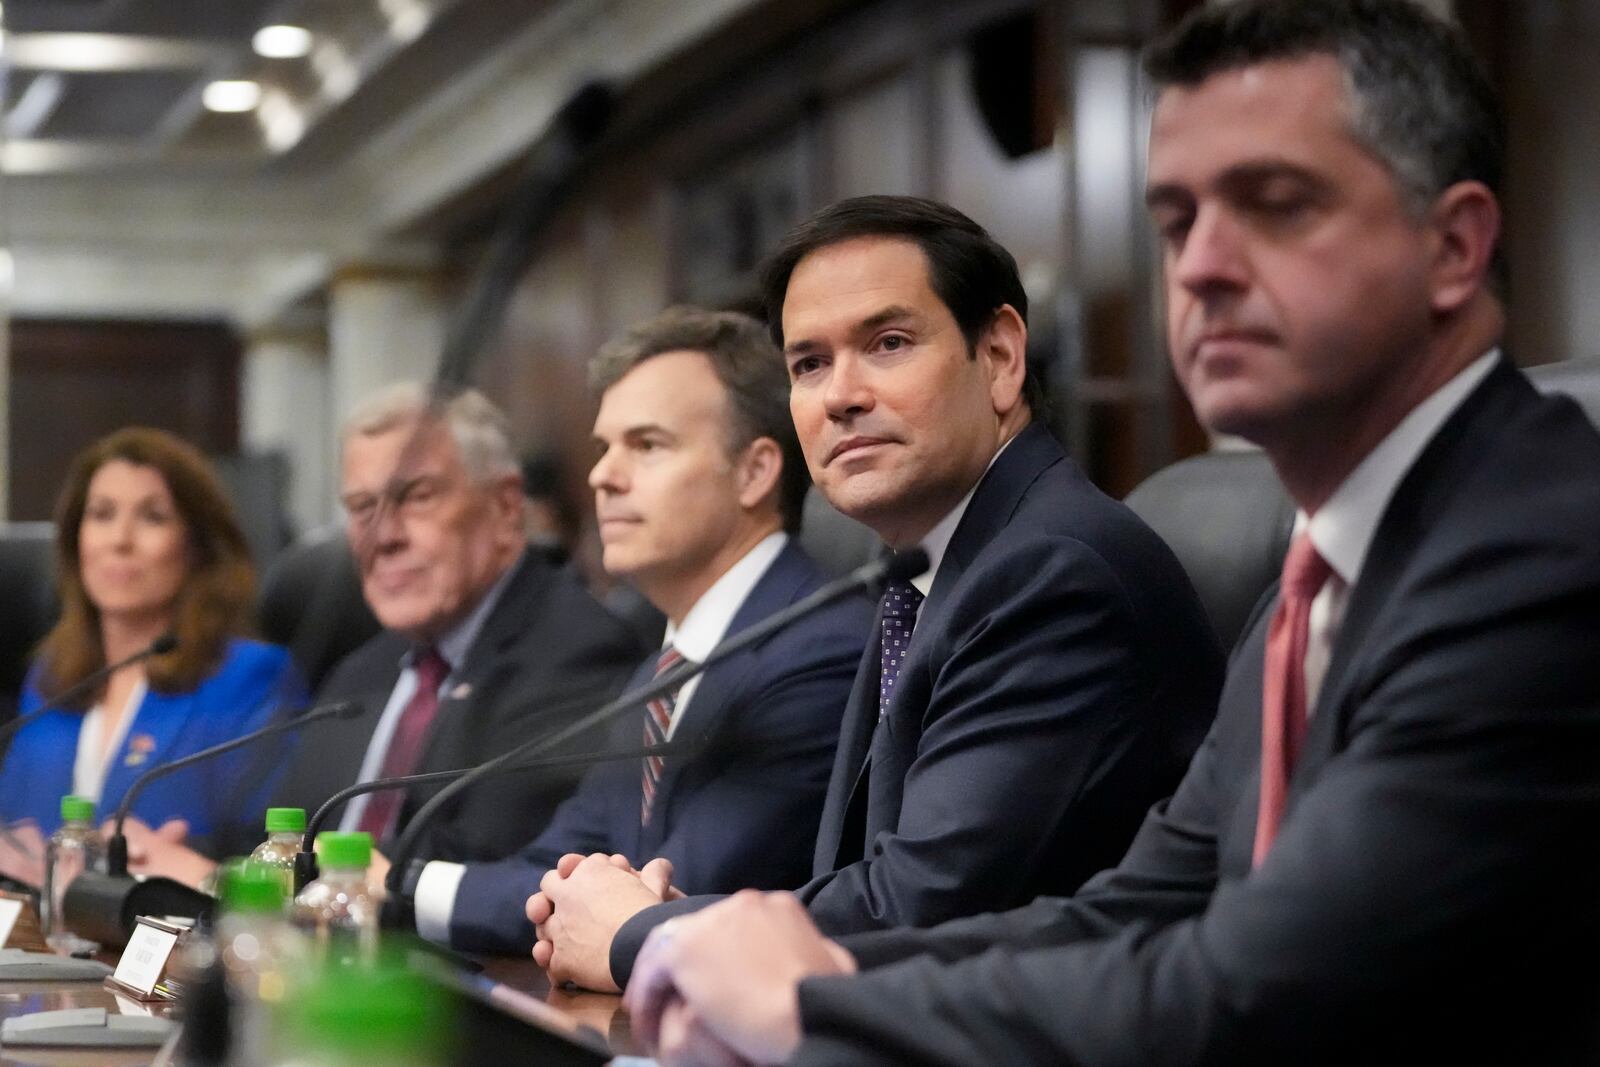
<point>159,647</point>
<point>899,567</point>
<point>117,846</point>
<point>305,862</point>
<point>103,907</point>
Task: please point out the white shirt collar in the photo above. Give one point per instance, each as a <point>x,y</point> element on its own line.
<point>1343,528</point>
<point>938,538</point>
<point>705,623</point>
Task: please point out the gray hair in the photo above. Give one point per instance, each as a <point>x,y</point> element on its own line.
<point>1417,98</point>
<point>478,427</point>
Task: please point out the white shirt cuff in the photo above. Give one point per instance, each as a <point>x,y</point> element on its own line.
<point>436,899</point>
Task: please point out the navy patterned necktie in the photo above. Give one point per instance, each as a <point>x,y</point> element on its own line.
<point>900,603</point>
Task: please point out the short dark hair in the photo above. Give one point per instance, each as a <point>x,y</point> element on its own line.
<point>968,270</point>
<point>1419,100</point>
<point>748,367</point>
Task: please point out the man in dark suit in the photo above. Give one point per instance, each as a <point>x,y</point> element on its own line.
<point>1028,698</point>
<point>698,490</point>
<point>485,644</point>
<point>1382,853</point>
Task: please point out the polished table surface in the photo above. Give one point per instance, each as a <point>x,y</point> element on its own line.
<point>600,1011</point>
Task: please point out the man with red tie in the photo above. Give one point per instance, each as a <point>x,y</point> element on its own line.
<point>1384,851</point>
<point>485,644</point>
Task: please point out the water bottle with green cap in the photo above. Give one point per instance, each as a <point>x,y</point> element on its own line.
<point>260,952</point>
<point>340,909</point>
<point>284,829</point>
<point>75,847</point>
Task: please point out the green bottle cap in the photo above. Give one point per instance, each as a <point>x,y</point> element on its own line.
<point>340,849</point>
<point>286,820</point>
<point>77,809</point>
<point>248,886</point>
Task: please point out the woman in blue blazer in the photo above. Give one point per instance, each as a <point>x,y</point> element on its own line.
<point>147,544</point>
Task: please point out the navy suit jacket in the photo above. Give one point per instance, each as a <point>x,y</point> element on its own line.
<point>254,683</point>
<point>547,654</point>
<point>1432,894</point>
<point>1060,676</point>
<point>740,812</point>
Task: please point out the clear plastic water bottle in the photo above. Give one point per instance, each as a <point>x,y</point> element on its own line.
<point>261,955</point>
<point>74,848</point>
<point>285,826</point>
<point>340,910</point>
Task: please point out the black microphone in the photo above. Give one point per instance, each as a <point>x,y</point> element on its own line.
<point>103,907</point>
<point>305,862</point>
<point>159,647</point>
<point>117,846</point>
<point>901,566</point>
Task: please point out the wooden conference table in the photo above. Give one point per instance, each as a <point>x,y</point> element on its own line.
<point>600,1011</point>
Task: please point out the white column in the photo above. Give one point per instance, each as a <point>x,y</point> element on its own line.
<point>384,325</point>
<point>285,410</point>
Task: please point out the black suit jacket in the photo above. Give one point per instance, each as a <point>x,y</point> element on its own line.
<point>742,810</point>
<point>1433,894</point>
<point>1060,676</point>
<point>547,654</point>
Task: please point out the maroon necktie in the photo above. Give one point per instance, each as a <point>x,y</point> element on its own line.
<point>404,755</point>
<point>1283,685</point>
<point>657,723</point>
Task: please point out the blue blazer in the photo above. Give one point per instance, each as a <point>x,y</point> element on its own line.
<point>253,683</point>
<point>743,811</point>
<point>1060,676</point>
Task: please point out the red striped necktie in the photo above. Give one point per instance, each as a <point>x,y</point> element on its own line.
<point>1283,685</point>
<point>657,724</point>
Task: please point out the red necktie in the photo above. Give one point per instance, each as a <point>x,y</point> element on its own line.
<point>657,723</point>
<point>1283,689</point>
<point>404,755</point>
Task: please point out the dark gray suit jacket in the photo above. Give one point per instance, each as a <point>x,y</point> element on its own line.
<point>547,653</point>
<point>1434,893</point>
<point>1059,678</point>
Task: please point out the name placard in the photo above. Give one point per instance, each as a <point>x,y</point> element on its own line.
<point>10,912</point>
<point>144,962</point>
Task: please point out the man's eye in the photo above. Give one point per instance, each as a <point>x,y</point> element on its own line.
<point>804,365</point>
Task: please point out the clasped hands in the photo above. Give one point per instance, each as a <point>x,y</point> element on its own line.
<point>150,851</point>
<point>712,989</point>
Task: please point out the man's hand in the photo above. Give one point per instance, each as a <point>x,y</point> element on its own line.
<point>22,853</point>
<point>729,976</point>
<point>162,851</point>
<point>378,870</point>
<point>579,908</point>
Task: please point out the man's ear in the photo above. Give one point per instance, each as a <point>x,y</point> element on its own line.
<point>1466,225</point>
<point>1003,349</point>
<point>506,497</point>
<point>758,471</point>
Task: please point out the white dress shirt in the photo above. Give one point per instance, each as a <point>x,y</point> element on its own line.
<point>701,630</point>
<point>94,757</point>
<point>1343,528</point>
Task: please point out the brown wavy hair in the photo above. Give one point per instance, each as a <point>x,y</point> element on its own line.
<point>217,592</point>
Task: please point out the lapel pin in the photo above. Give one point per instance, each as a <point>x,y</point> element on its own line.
<point>462,691</point>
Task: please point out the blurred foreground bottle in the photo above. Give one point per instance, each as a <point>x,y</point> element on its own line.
<point>367,1016</point>
<point>340,910</point>
<point>74,848</point>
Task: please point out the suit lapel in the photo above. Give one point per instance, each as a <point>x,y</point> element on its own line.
<point>777,587</point>
<point>1401,532</point>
